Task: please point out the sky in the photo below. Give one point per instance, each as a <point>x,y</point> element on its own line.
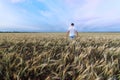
<point>57,15</point>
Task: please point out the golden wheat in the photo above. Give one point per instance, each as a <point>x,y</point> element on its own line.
<point>50,56</point>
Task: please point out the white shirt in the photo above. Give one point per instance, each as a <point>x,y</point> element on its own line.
<point>72,31</point>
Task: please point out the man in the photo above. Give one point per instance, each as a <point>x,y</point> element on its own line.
<point>72,32</point>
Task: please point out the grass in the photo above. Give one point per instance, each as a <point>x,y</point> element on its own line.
<point>51,56</point>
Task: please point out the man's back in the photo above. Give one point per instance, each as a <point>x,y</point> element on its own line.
<point>71,31</point>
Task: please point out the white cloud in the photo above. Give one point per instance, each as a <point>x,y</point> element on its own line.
<point>83,13</point>
<point>45,13</point>
<point>8,15</point>
<point>41,0</point>
<point>11,17</point>
<point>11,27</point>
<point>17,1</point>
<point>56,13</point>
<point>87,9</point>
<point>87,15</point>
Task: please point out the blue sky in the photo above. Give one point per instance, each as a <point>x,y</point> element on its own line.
<point>56,15</point>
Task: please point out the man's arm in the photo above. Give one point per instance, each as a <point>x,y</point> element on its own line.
<point>76,33</point>
<point>67,33</point>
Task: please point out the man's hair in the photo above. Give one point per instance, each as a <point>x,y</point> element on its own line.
<point>72,24</point>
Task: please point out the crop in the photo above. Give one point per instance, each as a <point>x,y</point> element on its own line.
<point>51,56</point>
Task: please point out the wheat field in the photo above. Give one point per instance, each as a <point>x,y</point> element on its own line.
<point>52,56</point>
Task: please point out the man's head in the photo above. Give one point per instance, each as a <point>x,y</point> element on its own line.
<point>72,24</point>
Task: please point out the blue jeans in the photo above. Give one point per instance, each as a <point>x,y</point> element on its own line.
<point>72,37</point>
